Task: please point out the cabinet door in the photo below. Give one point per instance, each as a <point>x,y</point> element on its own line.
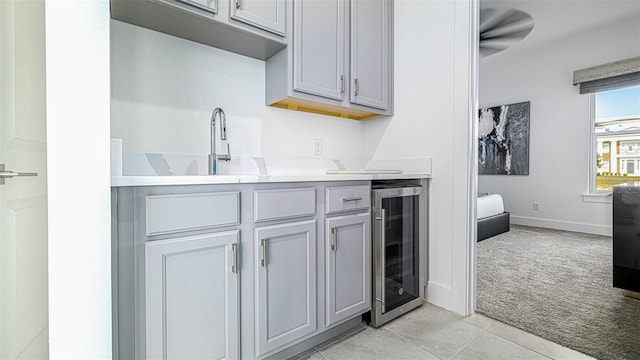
<point>208,5</point>
<point>191,297</point>
<point>285,283</point>
<point>348,267</point>
<point>319,46</point>
<point>370,47</point>
<point>267,15</point>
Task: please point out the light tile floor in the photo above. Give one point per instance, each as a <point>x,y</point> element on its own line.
<point>431,332</point>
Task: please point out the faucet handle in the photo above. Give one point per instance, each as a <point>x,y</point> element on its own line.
<point>227,156</point>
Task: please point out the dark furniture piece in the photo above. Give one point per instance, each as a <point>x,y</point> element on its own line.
<point>493,225</point>
<point>626,236</point>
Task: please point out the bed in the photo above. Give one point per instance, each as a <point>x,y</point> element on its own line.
<point>492,219</point>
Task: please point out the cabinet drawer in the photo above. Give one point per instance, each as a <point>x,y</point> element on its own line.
<point>167,214</point>
<point>283,203</point>
<point>347,198</point>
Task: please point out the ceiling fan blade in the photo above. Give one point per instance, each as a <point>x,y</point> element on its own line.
<point>502,28</point>
<point>490,17</point>
<point>501,43</point>
<point>511,28</point>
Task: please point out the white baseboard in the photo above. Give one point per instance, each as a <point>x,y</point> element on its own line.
<point>438,294</point>
<point>605,230</point>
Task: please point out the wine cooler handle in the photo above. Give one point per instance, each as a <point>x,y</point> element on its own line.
<point>383,222</point>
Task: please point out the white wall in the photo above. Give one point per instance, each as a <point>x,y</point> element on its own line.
<point>559,125</point>
<point>77,90</point>
<point>164,90</point>
<point>432,79</point>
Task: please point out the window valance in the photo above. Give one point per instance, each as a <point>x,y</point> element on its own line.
<point>609,76</point>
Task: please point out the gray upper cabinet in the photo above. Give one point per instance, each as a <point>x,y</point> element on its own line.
<point>268,15</point>
<point>319,46</point>
<point>255,28</point>
<point>208,5</point>
<point>340,62</point>
<point>370,44</point>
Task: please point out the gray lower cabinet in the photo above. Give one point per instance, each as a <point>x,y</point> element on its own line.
<point>235,271</point>
<point>192,297</point>
<point>348,267</point>
<point>285,284</point>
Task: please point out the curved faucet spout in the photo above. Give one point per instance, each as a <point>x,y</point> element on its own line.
<point>213,157</point>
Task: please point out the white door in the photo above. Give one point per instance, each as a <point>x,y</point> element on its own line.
<point>23,200</point>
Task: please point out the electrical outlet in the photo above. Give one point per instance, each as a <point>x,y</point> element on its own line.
<point>317,147</point>
<point>536,206</point>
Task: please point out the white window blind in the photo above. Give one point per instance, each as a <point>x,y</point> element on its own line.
<point>609,76</point>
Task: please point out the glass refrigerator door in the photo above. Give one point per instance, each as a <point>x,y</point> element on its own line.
<point>400,251</point>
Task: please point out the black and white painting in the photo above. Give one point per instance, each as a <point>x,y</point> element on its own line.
<point>503,140</point>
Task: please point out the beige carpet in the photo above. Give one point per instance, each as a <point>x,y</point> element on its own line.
<point>557,285</point>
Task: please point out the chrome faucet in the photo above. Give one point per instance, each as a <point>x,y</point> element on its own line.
<point>213,157</point>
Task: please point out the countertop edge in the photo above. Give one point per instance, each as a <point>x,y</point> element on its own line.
<point>132,181</point>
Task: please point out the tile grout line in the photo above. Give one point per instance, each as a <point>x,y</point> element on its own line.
<point>467,343</point>
<point>513,342</point>
<point>323,355</point>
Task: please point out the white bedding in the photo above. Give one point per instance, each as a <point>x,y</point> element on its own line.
<point>490,205</point>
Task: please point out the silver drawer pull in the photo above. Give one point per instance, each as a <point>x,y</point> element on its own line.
<point>352,198</point>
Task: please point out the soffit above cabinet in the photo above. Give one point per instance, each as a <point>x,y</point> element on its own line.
<point>222,24</point>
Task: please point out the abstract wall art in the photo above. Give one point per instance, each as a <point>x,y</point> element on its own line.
<point>503,140</point>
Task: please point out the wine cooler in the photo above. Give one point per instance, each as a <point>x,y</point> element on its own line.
<point>397,246</point>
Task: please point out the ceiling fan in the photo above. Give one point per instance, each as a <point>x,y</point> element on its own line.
<point>502,28</point>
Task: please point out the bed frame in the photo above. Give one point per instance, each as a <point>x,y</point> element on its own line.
<point>493,225</point>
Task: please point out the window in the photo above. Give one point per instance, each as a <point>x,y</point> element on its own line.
<point>616,133</point>
<point>614,90</point>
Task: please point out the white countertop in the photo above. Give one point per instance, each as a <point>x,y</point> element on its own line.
<point>151,169</point>
<point>155,180</point>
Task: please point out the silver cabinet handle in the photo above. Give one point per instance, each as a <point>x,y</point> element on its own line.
<point>341,83</point>
<point>263,261</point>
<point>334,239</point>
<point>355,87</point>
<point>234,258</point>
<point>351,198</point>
<point>237,4</point>
<point>8,174</point>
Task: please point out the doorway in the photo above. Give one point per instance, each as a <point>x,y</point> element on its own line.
<point>23,199</point>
